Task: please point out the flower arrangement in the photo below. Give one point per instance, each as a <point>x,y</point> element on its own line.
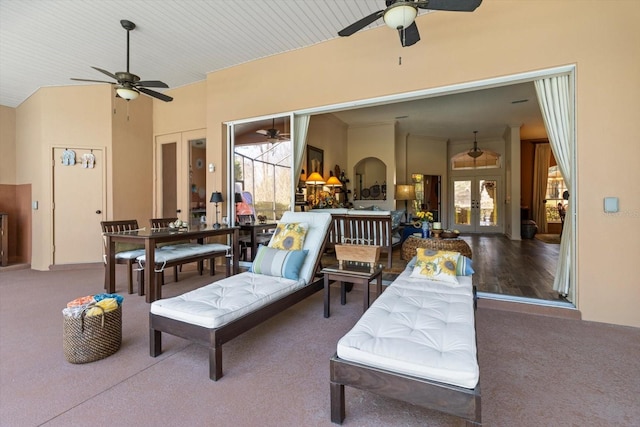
<point>323,199</point>
<point>424,216</point>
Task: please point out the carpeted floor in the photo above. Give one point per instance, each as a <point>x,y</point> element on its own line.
<point>549,238</point>
<point>534,370</point>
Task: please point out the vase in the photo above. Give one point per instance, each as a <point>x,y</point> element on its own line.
<point>425,229</point>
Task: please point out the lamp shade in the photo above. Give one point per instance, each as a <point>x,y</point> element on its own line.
<point>216,197</point>
<point>333,181</point>
<point>127,93</point>
<point>400,15</point>
<point>315,179</point>
<point>405,192</point>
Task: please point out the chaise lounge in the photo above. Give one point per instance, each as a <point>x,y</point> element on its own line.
<point>223,310</point>
<point>416,343</point>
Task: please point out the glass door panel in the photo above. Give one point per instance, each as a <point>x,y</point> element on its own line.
<point>462,204</point>
<point>476,205</point>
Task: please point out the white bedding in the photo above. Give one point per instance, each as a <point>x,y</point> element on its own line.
<point>420,328</point>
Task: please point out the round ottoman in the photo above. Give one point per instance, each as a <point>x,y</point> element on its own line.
<point>412,243</point>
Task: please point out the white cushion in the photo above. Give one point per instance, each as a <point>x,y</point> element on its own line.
<point>230,298</point>
<point>225,300</point>
<point>175,252</point>
<point>419,331</point>
<point>133,254</point>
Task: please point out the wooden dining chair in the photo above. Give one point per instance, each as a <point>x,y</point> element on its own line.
<point>126,253</point>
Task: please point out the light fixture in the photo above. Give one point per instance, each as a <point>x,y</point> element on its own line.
<point>127,93</point>
<point>315,179</point>
<point>400,15</point>
<point>216,197</point>
<point>332,183</point>
<point>406,193</point>
<point>475,152</point>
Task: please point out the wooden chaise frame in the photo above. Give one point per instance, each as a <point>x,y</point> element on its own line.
<point>450,399</point>
<point>215,337</point>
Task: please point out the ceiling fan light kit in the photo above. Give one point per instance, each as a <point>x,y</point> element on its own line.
<point>128,85</point>
<point>401,14</point>
<point>127,93</point>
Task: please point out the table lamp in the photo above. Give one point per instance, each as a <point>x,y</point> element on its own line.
<point>314,180</point>
<point>406,193</point>
<point>332,183</point>
<point>216,197</point>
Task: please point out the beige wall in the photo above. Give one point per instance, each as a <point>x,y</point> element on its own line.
<point>7,145</point>
<point>131,162</point>
<point>501,38</point>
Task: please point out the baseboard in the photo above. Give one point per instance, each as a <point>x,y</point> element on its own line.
<point>543,308</point>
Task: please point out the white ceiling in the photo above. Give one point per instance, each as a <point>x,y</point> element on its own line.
<point>46,42</point>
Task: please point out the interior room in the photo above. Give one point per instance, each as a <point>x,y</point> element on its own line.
<point>508,124</point>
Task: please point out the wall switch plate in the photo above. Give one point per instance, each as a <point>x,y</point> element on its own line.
<point>212,167</point>
<point>610,204</point>
<point>34,204</point>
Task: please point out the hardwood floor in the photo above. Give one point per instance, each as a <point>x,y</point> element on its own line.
<point>524,268</point>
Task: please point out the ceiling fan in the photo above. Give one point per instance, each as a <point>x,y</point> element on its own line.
<point>128,85</point>
<point>401,14</point>
<point>273,134</point>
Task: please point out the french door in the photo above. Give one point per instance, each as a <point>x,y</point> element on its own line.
<point>173,173</point>
<point>476,205</point>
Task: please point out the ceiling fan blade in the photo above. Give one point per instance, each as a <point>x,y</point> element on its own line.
<point>410,35</point>
<point>113,76</point>
<point>153,93</point>
<point>451,5</point>
<point>152,83</point>
<point>358,25</point>
<point>94,81</point>
<point>262,132</point>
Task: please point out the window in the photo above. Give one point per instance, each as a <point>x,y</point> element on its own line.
<point>555,189</point>
<point>488,160</point>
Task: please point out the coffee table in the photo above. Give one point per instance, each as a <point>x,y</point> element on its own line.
<point>351,272</point>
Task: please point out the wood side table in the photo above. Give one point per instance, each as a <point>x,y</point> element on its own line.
<point>356,273</point>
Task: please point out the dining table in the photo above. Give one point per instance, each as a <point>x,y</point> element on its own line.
<point>152,237</point>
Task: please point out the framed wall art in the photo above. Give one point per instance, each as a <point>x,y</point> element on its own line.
<point>315,160</point>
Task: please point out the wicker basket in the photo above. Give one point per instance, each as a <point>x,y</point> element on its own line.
<point>87,339</point>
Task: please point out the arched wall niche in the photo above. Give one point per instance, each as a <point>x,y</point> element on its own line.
<point>370,179</point>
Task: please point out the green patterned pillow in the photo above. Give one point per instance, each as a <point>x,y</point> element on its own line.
<point>289,236</point>
<point>278,263</point>
<point>439,266</point>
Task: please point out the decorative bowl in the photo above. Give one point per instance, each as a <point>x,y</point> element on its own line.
<point>448,234</point>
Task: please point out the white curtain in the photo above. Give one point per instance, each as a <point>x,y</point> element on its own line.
<point>554,96</point>
<point>300,127</point>
<point>540,178</point>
